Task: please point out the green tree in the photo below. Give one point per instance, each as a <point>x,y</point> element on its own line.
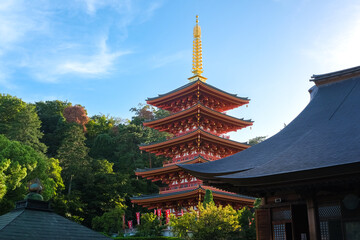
<point>110,222</point>
<point>73,155</point>
<point>183,226</point>
<point>19,164</point>
<point>150,226</point>
<point>247,223</point>
<point>208,198</point>
<point>20,122</point>
<point>256,140</point>
<point>212,222</point>
<point>52,123</point>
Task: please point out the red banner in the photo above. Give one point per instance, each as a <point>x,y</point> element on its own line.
<point>167,214</point>
<point>155,211</point>
<point>130,224</point>
<point>123,217</point>
<point>182,212</point>
<point>159,212</point>
<point>138,218</point>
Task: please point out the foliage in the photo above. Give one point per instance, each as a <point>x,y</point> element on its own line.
<point>19,121</point>
<point>256,140</point>
<point>72,154</point>
<point>52,123</point>
<point>18,165</point>
<point>110,222</point>
<point>183,226</point>
<point>146,238</point>
<point>212,222</point>
<point>76,114</point>
<point>86,174</point>
<point>150,226</point>
<point>247,223</point>
<point>208,198</point>
<point>257,203</point>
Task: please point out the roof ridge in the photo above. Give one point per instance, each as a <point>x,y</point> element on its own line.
<point>21,212</point>
<point>317,77</point>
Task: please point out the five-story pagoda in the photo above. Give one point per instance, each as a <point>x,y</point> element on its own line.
<point>197,123</point>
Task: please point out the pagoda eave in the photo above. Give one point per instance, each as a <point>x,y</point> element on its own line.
<point>223,123</point>
<point>156,173</point>
<point>191,197</point>
<point>194,135</point>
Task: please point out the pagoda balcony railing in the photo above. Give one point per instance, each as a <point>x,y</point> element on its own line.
<point>190,157</point>
<point>206,130</point>
<point>180,187</point>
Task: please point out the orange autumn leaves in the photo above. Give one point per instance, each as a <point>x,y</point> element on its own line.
<point>76,114</point>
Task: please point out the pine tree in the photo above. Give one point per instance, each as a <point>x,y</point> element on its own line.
<point>208,198</point>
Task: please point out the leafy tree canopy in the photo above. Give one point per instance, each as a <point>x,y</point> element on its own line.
<point>257,140</point>
<point>212,222</point>
<point>19,121</point>
<point>110,222</point>
<point>18,165</point>
<point>150,226</point>
<point>52,123</point>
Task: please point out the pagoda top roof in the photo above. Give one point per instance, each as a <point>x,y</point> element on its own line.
<point>323,140</point>
<point>194,83</point>
<point>194,133</point>
<point>194,190</point>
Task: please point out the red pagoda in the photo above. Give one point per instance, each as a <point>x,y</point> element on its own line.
<point>198,124</point>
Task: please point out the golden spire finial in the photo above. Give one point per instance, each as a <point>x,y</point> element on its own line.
<point>197,67</point>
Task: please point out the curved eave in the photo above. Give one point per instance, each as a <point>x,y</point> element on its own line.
<point>187,194</point>
<point>241,123</point>
<point>181,91</point>
<point>191,136</point>
<point>167,169</point>
<point>322,141</point>
<point>291,177</point>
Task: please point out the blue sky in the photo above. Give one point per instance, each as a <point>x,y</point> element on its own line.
<point>110,55</point>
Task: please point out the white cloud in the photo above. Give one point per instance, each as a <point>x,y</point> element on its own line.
<point>37,40</point>
<point>99,63</point>
<point>92,6</point>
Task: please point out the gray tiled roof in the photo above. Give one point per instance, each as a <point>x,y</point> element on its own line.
<point>32,223</point>
<point>319,77</point>
<point>326,134</point>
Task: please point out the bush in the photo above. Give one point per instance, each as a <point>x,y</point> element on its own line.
<point>109,222</point>
<point>146,238</point>
<point>212,222</point>
<point>150,226</point>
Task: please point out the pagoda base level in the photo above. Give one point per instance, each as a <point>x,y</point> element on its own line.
<point>183,201</point>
